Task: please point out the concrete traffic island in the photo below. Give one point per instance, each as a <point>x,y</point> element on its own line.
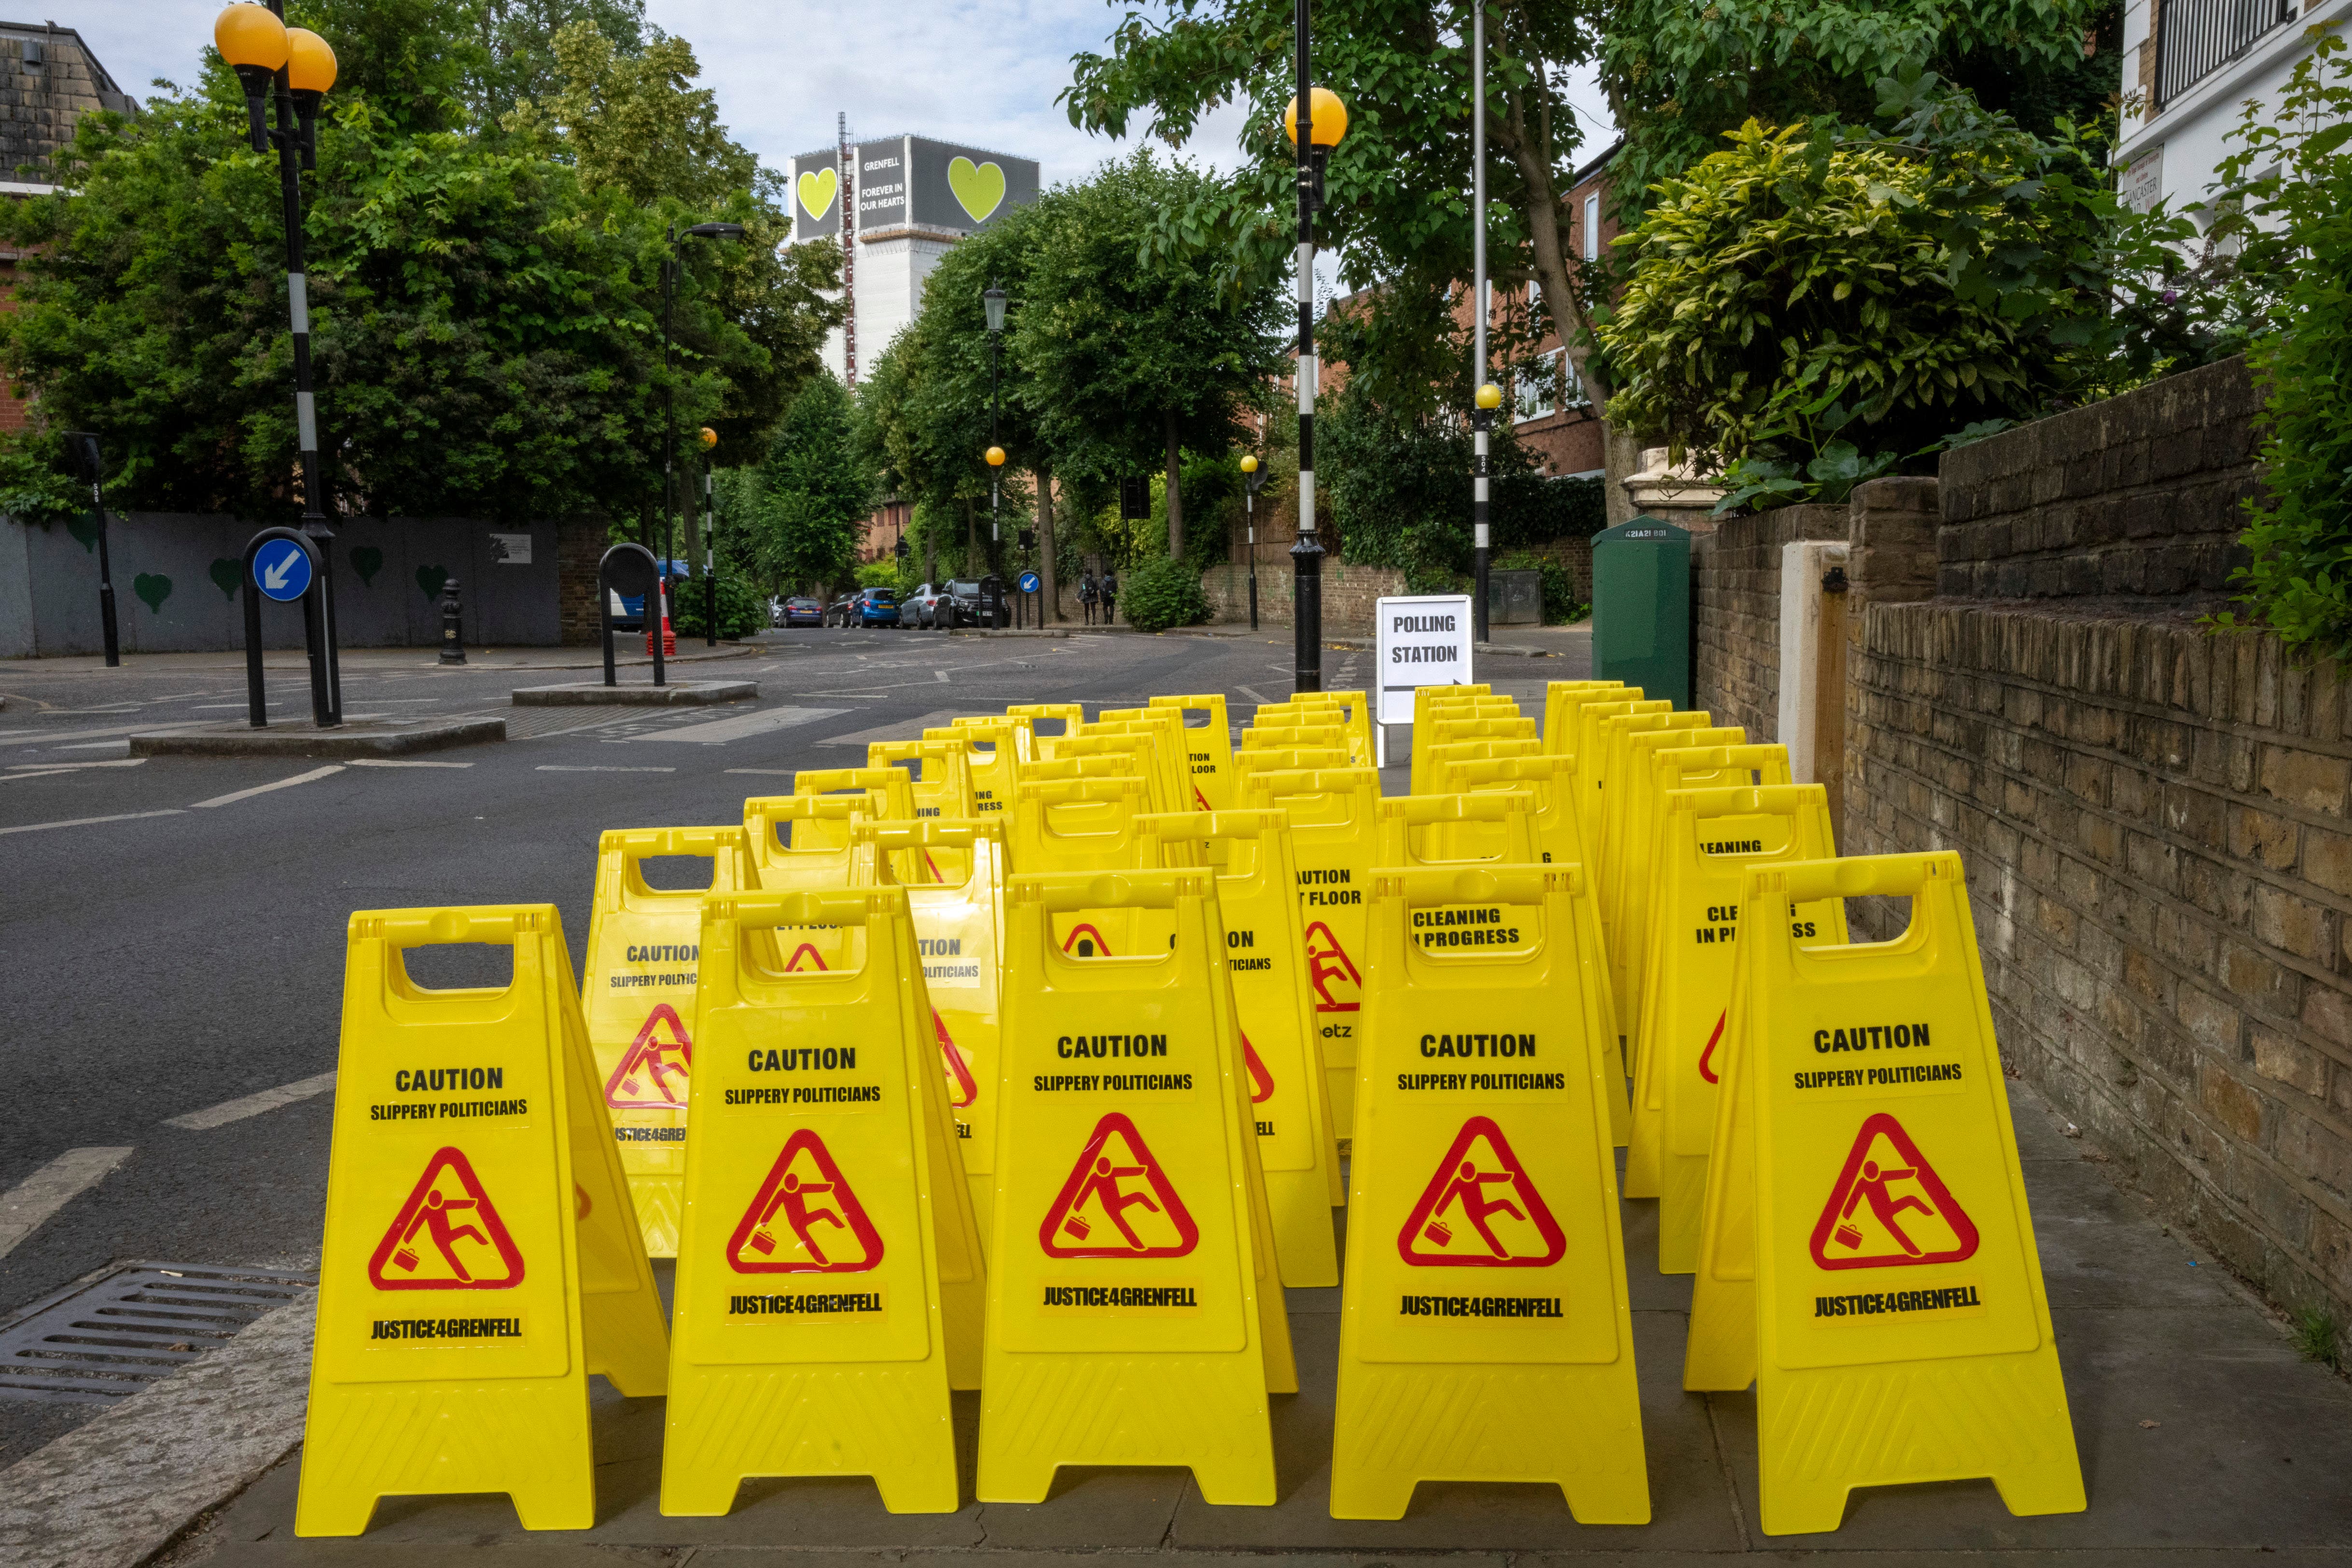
<point>684,694</point>
<point>358,738</point>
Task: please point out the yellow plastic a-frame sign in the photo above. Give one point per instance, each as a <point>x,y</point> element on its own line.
<point>809,1337</point>
<point>1290,1097</point>
<point>995,749</point>
<point>1126,1324</point>
<point>1167,726</point>
<point>940,780</point>
<point>1903,1333</point>
<point>1334,837</point>
<point>481,1256</point>
<point>1090,825</point>
<point>891,790</point>
<point>1708,841</point>
<point>1069,716</point>
<point>1289,760</point>
<point>1146,758</point>
<point>1484,1333</point>
<point>1615,736</point>
<point>822,854</point>
<point>1634,816</point>
<point>1208,746</point>
<point>1593,756</point>
<point>638,1001</point>
<point>1563,698</point>
<point>1274,737</point>
<point>958,928</point>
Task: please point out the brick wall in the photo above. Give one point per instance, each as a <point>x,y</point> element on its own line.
<point>579,544</point>
<point>2139,497</point>
<point>1349,592</point>
<point>1735,613</point>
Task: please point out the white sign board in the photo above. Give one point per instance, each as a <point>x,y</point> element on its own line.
<point>1425,640</point>
<point>510,550</point>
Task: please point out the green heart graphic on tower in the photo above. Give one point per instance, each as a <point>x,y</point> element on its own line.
<point>978,188</point>
<point>817,187</point>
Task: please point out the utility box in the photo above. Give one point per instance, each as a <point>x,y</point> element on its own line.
<point>1515,598</point>
<point>1641,609</point>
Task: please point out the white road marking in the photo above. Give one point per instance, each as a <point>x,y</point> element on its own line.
<point>906,729</point>
<point>743,726</point>
<point>235,795</point>
<point>402,762</point>
<point>87,821</point>
<point>1262,702</point>
<point>237,1110</point>
<point>37,737</point>
<point>940,675</point>
<point>53,766</point>
<point>559,768</point>
<point>120,748</point>
<point>26,1205</point>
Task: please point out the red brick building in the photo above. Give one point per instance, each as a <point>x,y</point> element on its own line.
<point>1551,415</point>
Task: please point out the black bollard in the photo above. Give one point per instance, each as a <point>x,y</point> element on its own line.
<point>453,641</point>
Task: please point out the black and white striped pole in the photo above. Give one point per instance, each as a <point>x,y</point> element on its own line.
<point>300,67</point>
<point>1481,425</point>
<point>1316,122</point>
<point>1490,397</point>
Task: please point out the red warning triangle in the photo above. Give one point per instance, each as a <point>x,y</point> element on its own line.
<point>652,1074</point>
<point>1118,1202</point>
<point>1071,944</point>
<point>1201,802</point>
<point>1261,1080</point>
<point>447,1235</point>
<point>1480,1210</point>
<point>964,1088</point>
<point>1339,989</point>
<point>804,1219</point>
<point>805,950</point>
<point>1706,1057</point>
<point>1889,1208</point>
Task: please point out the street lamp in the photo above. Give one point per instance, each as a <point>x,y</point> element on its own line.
<point>266,53</point>
<point>1482,420</point>
<point>710,546</point>
<point>1316,120</point>
<point>1255,480</point>
<point>991,299</point>
<point>671,263</point>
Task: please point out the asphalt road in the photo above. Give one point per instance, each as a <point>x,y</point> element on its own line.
<point>171,942</point>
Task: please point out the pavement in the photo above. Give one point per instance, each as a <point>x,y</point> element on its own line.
<point>174,958</point>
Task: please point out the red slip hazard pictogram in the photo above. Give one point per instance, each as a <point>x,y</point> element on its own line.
<point>1480,1210</point>
<point>804,1218</point>
<point>1339,989</point>
<point>1706,1057</point>
<point>1889,1208</point>
<point>1201,802</point>
<point>1118,1202</point>
<point>1261,1080</point>
<point>1086,942</point>
<point>805,950</point>
<point>652,1074</point>
<point>963,1089</point>
<point>447,1235</point>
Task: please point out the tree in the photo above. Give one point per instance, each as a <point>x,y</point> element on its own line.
<point>805,504</point>
<point>1131,353</point>
<point>518,48</point>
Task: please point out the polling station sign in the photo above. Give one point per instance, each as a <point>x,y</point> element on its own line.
<point>1425,640</point>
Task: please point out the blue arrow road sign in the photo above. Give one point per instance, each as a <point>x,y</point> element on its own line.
<point>1029,582</point>
<point>282,570</point>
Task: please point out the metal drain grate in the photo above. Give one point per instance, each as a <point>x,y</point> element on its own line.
<point>128,1330</point>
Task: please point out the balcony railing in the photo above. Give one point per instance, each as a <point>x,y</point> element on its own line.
<point>2197,37</point>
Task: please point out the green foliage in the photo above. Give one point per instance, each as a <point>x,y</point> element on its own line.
<point>2295,219</point>
<point>2319,1337</point>
<point>743,608</point>
<point>804,506</point>
<point>1819,305</point>
<point>486,325</point>
<point>1159,594</point>
<point>1560,605</point>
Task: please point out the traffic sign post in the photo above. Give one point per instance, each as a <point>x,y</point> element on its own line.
<point>1032,587</point>
<point>280,564</point>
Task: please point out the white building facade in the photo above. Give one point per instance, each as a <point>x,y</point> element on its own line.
<point>911,198</point>
<point>2189,67</point>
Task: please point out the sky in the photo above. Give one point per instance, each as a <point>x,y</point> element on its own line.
<point>981,72</point>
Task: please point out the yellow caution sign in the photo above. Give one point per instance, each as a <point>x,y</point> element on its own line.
<point>1208,746</point>
<point>1707,841</point>
<point>1125,1318</point>
<point>638,1003</point>
<point>1289,736</point>
<point>1563,698</point>
<point>1287,760</point>
<point>1443,728</point>
<point>891,790</point>
<point>1442,757</point>
<point>1333,841</point>
<point>1592,775</point>
<point>1141,753</point>
<point>1089,825</point>
<point>1167,726</point>
<point>481,1256</point>
<point>995,749</point>
<point>1671,766</point>
<point>1633,816</point>
<point>958,928</point>
<point>803,842</point>
<point>940,781</point>
<point>1903,1333</point>
<point>1495,828</point>
<point>1070,716</point>
<point>1485,1331</point>
<point>1290,1098</point>
<point>809,1334</point>
<point>1616,742</point>
<point>1349,708</point>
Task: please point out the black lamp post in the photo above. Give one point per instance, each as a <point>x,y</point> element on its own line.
<point>671,263</point>
<point>1316,122</point>
<point>299,67</point>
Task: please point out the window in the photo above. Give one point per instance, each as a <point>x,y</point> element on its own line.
<point>1593,226</point>
<point>2197,37</point>
<point>1544,386</point>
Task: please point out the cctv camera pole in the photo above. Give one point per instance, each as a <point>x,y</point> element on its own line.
<point>1482,420</point>
<point>1306,555</point>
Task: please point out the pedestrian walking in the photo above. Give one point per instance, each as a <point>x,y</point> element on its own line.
<point>1087,594</point>
<point>1110,595</point>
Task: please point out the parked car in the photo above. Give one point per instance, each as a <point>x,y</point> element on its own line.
<point>874,607</point>
<point>919,609</point>
<point>959,604</point>
<point>628,614</point>
<point>800,612</point>
<point>837,612</point>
